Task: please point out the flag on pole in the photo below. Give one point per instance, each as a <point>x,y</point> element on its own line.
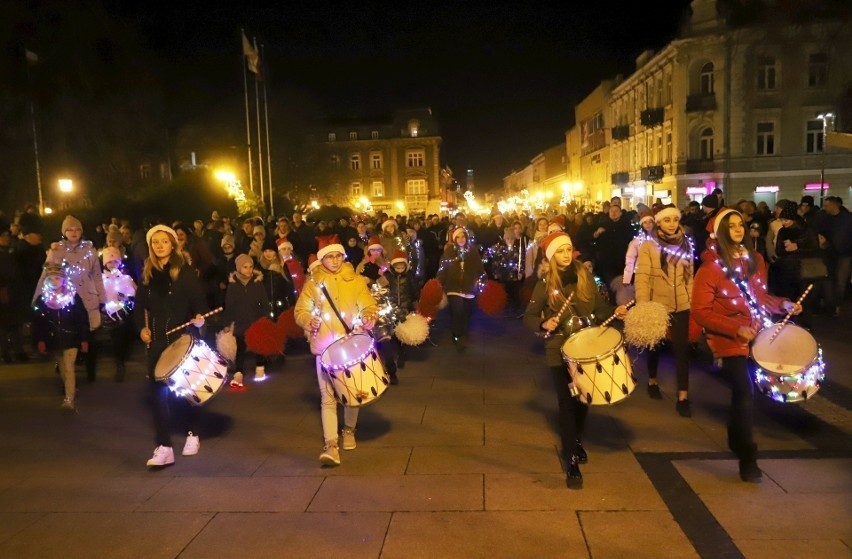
<point>30,56</point>
<point>252,56</point>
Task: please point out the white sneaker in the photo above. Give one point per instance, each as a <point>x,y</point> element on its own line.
<point>192,445</point>
<point>163,456</point>
<point>237,380</point>
<point>259,373</point>
<point>348,439</point>
<point>330,454</point>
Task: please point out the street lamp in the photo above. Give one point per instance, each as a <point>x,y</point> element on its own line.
<point>825,118</point>
<point>66,185</point>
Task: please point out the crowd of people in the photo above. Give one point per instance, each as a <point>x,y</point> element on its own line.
<point>710,264</point>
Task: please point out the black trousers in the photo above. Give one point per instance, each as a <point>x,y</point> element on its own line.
<point>460,311</point>
<point>391,351</point>
<point>121,338</point>
<point>165,406</point>
<point>513,295</point>
<point>680,348</point>
<point>260,361</point>
<point>572,412</point>
<point>741,418</point>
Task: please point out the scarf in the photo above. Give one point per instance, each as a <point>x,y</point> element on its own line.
<point>677,242</point>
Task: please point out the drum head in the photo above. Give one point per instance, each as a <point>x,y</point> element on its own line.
<point>348,349</point>
<point>592,342</point>
<point>172,356</point>
<point>793,350</point>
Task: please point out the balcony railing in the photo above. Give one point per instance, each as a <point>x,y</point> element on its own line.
<point>700,166</point>
<point>621,132</point>
<point>653,173</point>
<point>652,117</point>
<point>701,102</point>
<point>622,177</point>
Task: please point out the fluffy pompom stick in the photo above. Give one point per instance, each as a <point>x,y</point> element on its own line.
<point>264,337</point>
<point>429,312</point>
<point>287,322</point>
<point>646,324</point>
<point>430,295</point>
<point>226,343</point>
<point>413,331</point>
<point>492,300</point>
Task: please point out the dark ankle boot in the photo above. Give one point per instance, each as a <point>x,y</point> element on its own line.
<point>749,471</point>
<point>574,479</point>
<point>582,456</point>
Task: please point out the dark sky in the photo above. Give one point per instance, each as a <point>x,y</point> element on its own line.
<point>501,78</point>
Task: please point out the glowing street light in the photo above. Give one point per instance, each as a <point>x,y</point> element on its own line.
<point>48,211</point>
<point>826,119</point>
<point>66,185</point>
<point>225,176</point>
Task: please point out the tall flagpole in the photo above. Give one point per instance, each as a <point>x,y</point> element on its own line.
<point>32,58</point>
<point>268,147</point>
<point>248,122</point>
<point>259,131</point>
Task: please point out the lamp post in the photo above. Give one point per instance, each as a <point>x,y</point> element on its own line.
<point>65,187</point>
<point>825,118</point>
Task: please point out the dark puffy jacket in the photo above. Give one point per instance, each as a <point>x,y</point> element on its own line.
<point>245,302</point>
<point>61,328</point>
<point>402,289</point>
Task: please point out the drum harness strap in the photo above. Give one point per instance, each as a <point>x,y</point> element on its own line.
<point>334,308</point>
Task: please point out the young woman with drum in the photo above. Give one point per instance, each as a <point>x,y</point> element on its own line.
<point>729,301</point>
<point>664,274</point>
<point>461,272</point>
<point>169,296</point>
<point>334,289</point>
<point>564,302</point>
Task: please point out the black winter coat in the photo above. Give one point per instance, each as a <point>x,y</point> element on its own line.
<point>245,303</point>
<point>169,304</point>
<point>63,328</point>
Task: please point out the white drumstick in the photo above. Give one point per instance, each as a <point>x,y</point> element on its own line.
<point>559,316</point>
<point>789,314</point>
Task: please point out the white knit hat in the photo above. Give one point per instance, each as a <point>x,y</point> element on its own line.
<point>668,211</point>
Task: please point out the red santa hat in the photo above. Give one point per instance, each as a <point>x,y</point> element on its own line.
<point>644,216</point>
<point>551,243</point>
<point>399,257</point>
<point>388,222</point>
<point>283,243</point>
<point>713,224</point>
<point>556,224</point>
<point>375,244</point>
<point>329,244</point>
<point>666,211</point>
<point>313,262</point>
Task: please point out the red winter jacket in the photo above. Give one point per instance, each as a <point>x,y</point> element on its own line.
<point>720,308</point>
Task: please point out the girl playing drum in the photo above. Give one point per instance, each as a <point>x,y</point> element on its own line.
<point>728,301</point>
<point>566,278</point>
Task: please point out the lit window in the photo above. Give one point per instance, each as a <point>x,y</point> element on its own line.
<point>416,158</point>
<point>355,188</point>
<point>353,135</point>
<point>375,160</point>
<point>415,187</point>
<point>374,134</point>
<point>378,188</point>
<point>355,161</point>
<point>332,136</point>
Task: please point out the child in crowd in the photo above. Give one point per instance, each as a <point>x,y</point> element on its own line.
<point>245,302</point>
<point>119,290</point>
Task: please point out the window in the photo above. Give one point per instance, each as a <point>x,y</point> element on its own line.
<point>813,136</point>
<point>355,161</point>
<point>669,147</point>
<point>334,161</point>
<point>355,188</point>
<point>144,171</point>
<point>378,188</point>
<point>416,158</point>
<point>707,81</point>
<point>817,69</point>
<point>705,145</point>
<point>353,135</point>
<point>374,134</point>
<point>765,138</point>
<point>766,73</point>
<point>667,92</point>
<point>375,160</point>
<point>332,137</point>
<point>415,187</point>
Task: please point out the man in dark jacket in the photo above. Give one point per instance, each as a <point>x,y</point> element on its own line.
<point>835,236</point>
<point>612,237</point>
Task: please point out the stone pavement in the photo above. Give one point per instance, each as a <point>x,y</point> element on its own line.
<point>459,460</point>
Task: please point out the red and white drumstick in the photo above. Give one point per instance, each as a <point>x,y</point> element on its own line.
<point>789,314</point>
<point>606,322</point>
<point>558,316</point>
<point>147,345</point>
<point>185,324</point>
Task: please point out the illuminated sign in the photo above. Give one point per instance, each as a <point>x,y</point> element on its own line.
<point>759,189</point>
<point>816,186</point>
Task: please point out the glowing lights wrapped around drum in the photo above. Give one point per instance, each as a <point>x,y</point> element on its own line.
<point>646,325</point>
<point>355,370</point>
<point>192,370</point>
<point>414,330</point>
<point>790,367</point>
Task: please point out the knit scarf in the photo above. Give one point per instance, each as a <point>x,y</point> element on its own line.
<point>676,241</point>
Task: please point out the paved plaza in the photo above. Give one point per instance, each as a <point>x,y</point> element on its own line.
<point>458,461</point>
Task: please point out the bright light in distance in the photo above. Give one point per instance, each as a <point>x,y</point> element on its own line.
<point>48,211</point>
<point>315,204</point>
<point>225,176</point>
<point>65,185</point>
<point>400,205</point>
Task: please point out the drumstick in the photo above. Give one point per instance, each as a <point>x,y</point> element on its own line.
<point>606,322</point>
<point>185,324</point>
<point>559,315</point>
<point>789,314</point>
<point>148,345</point>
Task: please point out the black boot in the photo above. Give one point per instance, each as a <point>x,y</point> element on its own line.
<point>582,456</point>
<point>749,471</point>
<point>574,479</point>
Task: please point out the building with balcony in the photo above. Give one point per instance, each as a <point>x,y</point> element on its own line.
<point>393,162</point>
<point>588,145</point>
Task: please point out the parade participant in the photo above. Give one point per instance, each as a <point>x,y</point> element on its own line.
<point>80,261</point>
<point>795,242</point>
<point>402,293</point>
<point>729,300</point>
<point>291,267</point>
<point>119,291</point>
<point>390,237</point>
<point>279,288</point>
<point>416,254</point>
<point>461,273</point>
<point>245,302</point>
<point>664,274</point>
<point>354,253</point>
<point>566,278</point>
<point>506,263</point>
<point>646,230</point>
<point>170,295</point>
<point>613,236</point>
<point>60,323</point>
<point>375,263</point>
<point>333,282</point>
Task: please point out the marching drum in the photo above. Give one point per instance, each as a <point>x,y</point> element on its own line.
<point>790,367</point>
<point>599,365</point>
<point>355,370</point>
<point>192,370</point>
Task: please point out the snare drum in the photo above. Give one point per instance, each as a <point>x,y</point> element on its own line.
<point>192,370</point>
<point>356,372</point>
<point>790,367</point>
<point>599,365</point>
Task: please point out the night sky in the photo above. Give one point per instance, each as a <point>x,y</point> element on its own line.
<point>501,78</point>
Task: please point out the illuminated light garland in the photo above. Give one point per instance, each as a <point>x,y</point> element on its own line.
<point>58,299</point>
<point>792,388</point>
<point>183,386</point>
<point>758,312</point>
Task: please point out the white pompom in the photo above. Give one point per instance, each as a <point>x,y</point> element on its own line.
<point>226,343</point>
<point>646,325</point>
<point>413,331</point>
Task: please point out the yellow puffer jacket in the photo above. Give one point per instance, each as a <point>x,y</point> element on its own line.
<point>672,290</point>
<point>350,296</point>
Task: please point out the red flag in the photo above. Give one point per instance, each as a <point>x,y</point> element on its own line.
<point>252,56</point>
